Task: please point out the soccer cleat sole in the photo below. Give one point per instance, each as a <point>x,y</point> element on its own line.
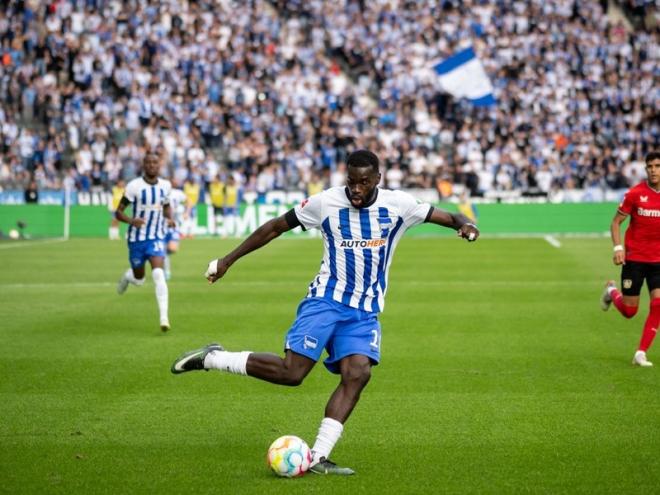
<point>333,471</point>
<point>179,366</point>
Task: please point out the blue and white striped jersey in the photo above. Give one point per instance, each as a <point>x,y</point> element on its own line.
<point>178,201</point>
<point>148,201</point>
<point>358,243</point>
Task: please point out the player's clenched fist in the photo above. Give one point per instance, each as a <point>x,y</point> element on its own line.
<point>137,222</point>
<point>619,257</point>
<point>468,231</point>
<point>216,269</point>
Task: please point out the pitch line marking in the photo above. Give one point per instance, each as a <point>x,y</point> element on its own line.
<point>407,283</point>
<point>553,241</point>
<point>30,243</point>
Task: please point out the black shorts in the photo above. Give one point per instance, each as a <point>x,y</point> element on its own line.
<point>633,274</point>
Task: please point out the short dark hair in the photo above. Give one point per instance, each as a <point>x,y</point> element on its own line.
<point>363,158</point>
<point>652,155</point>
<point>152,153</point>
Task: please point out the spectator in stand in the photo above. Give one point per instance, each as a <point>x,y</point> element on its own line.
<point>192,191</point>
<point>232,205</point>
<point>288,90</point>
<point>315,185</point>
<point>217,195</point>
<point>32,193</point>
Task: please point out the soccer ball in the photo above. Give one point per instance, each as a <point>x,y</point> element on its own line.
<point>289,456</point>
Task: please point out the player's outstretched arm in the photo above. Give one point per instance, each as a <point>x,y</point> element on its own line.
<point>457,221</point>
<point>619,256</point>
<point>260,237</point>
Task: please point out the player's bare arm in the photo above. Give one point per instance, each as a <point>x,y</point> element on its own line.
<point>619,256</point>
<point>457,221</point>
<point>169,215</point>
<point>259,238</point>
<point>123,217</point>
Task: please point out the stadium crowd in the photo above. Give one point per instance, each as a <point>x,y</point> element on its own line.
<point>276,93</point>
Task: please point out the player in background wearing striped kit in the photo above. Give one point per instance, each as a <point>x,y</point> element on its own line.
<point>150,197</point>
<point>172,234</point>
<point>361,226</point>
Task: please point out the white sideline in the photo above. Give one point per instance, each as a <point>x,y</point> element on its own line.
<point>517,235</point>
<point>408,283</point>
<point>510,235</point>
<point>553,241</point>
<point>36,242</point>
<point>569,235</point>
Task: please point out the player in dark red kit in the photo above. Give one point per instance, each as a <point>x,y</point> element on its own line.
<point>641,255</point>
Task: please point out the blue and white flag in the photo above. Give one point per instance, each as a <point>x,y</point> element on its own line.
<point>463,76</point>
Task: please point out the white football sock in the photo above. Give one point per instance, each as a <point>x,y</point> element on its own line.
<point>329,433</point>
<point>231,362</point>
<point>167,264</point>
<point>131,278</point>
<point>114,233</point>
<point>161,292</point>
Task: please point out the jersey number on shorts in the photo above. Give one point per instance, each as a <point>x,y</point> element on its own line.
<point>159,246</point>
<point>375,343</point>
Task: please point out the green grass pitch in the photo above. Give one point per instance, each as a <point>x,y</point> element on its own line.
<point>499,374</point>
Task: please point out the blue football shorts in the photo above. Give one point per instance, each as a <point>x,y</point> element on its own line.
<point>337,328</point>
<point>140,251</point>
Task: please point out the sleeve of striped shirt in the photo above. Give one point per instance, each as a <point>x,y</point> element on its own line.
<point>131,191</point>
<point>168,193</point>
<point>309,212</point>
<point>412,211</point>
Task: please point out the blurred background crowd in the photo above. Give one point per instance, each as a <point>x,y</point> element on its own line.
<point>274,94</point>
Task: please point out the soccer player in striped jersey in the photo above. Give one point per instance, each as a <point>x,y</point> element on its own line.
<point>361,226</point>
<point>640,257</point>
<point>150,197</point>
<point>172,234</point>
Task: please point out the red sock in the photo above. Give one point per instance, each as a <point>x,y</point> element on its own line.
<point>651,325</point>
<point>624,309</point>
